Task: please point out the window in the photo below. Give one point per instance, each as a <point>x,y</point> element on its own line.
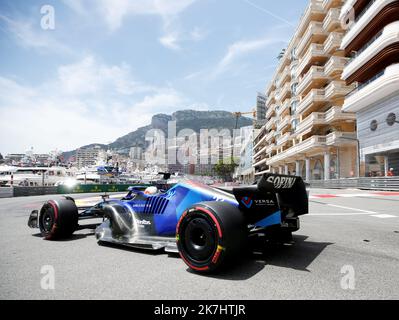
<point>293,88</point>
<point>293,107</point>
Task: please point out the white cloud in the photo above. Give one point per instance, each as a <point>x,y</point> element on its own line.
<point>90,77</point>
<point>170,41</point>
<point>28,34</point>
<point>198,34</point>
<point>88,102</point>
<point>115,11</point>
<point>243,48</point>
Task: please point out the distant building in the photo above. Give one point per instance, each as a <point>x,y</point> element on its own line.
<point>245,171</point>
<point>87,157</point>
<point>260,110</point>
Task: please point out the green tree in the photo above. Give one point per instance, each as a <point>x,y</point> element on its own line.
<point>225,168</point>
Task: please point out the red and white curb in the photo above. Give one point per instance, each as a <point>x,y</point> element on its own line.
<point>354,195</point>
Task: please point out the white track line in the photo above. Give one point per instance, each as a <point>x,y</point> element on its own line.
<point>350,208</point>
<point>359,211</point>
<point>384,216</point>
<point>340,214</point>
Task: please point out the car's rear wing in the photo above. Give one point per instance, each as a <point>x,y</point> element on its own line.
<point>290,189</point>
<point>274,192</point>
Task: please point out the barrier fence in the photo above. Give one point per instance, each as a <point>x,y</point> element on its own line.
<point>380,183</point>
<point>8,192</point>
<point>375,183</point>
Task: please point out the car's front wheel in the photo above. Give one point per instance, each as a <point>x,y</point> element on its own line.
<point>210,235</point>
<point>58,219</point>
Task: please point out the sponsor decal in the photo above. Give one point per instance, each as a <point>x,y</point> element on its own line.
<point>282,182</point>
<point>247,202</point>
<point>143,222</point>
<point>264,202</point>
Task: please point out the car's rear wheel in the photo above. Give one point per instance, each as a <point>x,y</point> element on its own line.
<point>210,235</point>
<point>58,219</point>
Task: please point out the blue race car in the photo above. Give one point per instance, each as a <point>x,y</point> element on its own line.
<point>209,227</point>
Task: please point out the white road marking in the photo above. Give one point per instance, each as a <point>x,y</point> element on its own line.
<point>384,216</point>
<point>340,214</point>
<point>350,208</point>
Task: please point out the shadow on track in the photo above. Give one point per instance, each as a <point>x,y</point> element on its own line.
<point>297,256</point>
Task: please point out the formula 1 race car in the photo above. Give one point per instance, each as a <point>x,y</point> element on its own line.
<point>209,227</point>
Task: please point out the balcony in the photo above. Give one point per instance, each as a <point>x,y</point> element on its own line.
<point>341,138</point>
<point>314,56</point>
<point>283,139</point>
<point>284,124</point>
<point>271,148</point>
<point>270,111</point>
<point>259,162</point>
<point>336,114</point>
<point>315,118</point>
<point>285,75</point>
<point>376,45</point>
<point>260,152</point>
<point>315,77</point>
<point>314,12</point>
<point>284,108</point>
<point>335,66</point>
<point>332,21</point>
<point>314,34</point>
<point>323,118</point>
<point>285,92</point>
<point>337,89</point>
<point>271,99</point>
<point>376,89</point>
<point>259,140</point>
<point>363,19</point>
<point>328,4</point>
<point>314,97</point>
<point>333,43</point>
<point>270,136</point>
<point>304,146</point>
<point>271,124</point>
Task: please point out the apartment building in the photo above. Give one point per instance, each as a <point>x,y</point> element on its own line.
<point>306,131</point>
<point>87,157</point>
<point>372,43</point>
<point>245,171</point>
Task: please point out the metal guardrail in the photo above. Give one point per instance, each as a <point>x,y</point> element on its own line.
<point>375,183</point>
<point>94,188</point>
<point>6,192</point>
<point>33,191</point>
<point>17,191</point>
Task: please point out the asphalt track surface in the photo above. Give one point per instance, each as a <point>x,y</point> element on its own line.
<point>348,232</point>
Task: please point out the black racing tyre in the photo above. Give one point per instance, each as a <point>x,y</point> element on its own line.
<point>211,236</point>
<point>58,219</point>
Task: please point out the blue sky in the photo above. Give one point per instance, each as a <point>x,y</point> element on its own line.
<point>109,65</point>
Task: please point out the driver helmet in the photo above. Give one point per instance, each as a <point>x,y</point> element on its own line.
<point>151,190</point>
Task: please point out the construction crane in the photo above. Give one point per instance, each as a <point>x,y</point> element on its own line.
<point>238,115</point>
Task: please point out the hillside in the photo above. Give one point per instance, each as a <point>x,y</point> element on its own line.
<point>190,119</point>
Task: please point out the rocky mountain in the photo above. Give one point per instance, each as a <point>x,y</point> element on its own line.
<point>185,119</point>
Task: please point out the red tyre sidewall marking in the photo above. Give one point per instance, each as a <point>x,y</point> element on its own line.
<point>209,213</point>
<point>54,206</point>
<point>191,266</point>
<point>181,255</point>
<point>213,218</point>
<point>217,254</point>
